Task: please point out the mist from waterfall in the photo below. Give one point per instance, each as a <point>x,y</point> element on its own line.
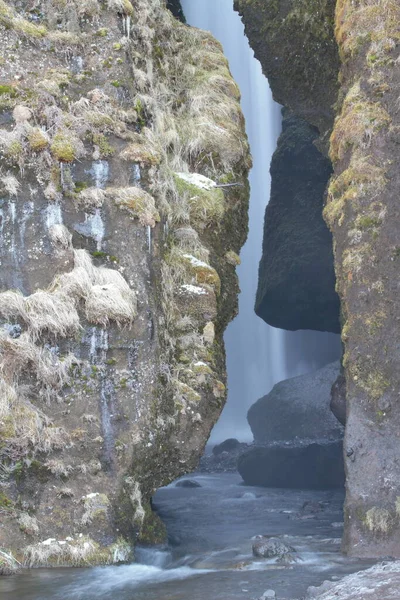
<point>258,356</point>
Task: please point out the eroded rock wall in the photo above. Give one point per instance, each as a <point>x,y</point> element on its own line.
<point>117,279</point>
<point>363,214</point>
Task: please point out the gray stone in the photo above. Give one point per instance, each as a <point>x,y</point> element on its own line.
<point>265,547</point>
<point>297,408</point>
<point>306,466</point>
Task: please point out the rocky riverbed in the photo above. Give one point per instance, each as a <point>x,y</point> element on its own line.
<point>212,529</point>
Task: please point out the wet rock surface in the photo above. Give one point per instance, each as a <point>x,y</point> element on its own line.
<point>338,398</point>
<point>188,483</point>
<point>298,440</point>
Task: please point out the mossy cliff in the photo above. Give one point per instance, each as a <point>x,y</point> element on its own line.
<point>117,123</point>
<point>362,213</point>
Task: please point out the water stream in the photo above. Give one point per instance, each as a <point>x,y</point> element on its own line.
<point>210,553</point>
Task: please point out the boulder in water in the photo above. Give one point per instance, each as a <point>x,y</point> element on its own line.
<point>187,483</point>
<point>307,466</point>
<point>297,409</point>
<point>227,446</point>
<point>269,547</point>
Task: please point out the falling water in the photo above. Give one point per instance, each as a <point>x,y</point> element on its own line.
<point>258,356</point>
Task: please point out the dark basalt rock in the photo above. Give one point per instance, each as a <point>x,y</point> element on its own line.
<point>296,287</point>
<point>312,466</point>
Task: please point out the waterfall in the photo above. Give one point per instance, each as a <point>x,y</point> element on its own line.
<point>258,356</point>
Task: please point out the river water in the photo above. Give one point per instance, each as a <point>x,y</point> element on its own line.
<point>210,553</point>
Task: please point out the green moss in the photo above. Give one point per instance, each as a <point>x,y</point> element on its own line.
<point>63,148</point>
<point>103,145</point>
<point>102,32</point>
<point>9,90</point>
<point>14,151</point>
<point>79,187</point>
<point>367,222</point>
<point>5,502</point>
<point>153,530</point>
<point>37,139</point>
<point>205,206</point>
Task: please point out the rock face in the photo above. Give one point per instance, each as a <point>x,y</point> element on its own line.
<point>296,284</point>
<point>298,439</point>
<point>381,582</point>
<point>338,399</point>
<point>297,408</point>
<point>363,214</point>
<point>113,268</point>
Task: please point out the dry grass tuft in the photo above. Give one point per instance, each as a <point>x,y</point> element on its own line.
<point>139,203</point>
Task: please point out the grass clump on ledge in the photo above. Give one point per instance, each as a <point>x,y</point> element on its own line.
<point>66,147</point>
<point>378,520</point>
<point>206,202</point>
<point>139,203</point>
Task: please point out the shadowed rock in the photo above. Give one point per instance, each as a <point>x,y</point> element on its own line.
<point>312,466</point>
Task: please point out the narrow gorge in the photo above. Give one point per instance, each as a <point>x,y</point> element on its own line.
<point>198,250</point>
